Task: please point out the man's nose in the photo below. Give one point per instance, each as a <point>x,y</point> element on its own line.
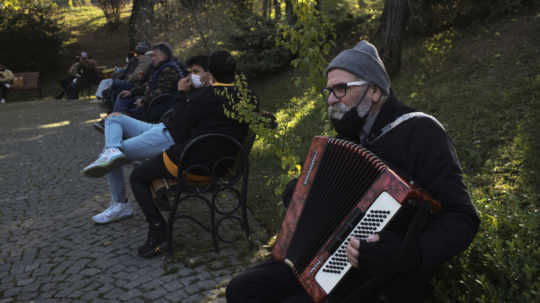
<point>332,99</point>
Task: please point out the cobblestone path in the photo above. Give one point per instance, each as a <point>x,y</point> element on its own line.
<point>50,249</point>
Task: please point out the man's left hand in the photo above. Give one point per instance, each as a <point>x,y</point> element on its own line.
<point>139,102</point>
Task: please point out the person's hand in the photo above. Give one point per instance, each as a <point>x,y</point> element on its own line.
<point>354,247</point>
<point>184,84</point>
<point>124,93</point>
<point>115,114</point>
<point>379,254</point>
<point>206,78</point>
<point>139,102</point>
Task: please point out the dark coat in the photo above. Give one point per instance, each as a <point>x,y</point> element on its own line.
<point>420,150</point>
<point>200,113</point>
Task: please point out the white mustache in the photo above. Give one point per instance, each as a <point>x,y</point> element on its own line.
<point>337,110</point>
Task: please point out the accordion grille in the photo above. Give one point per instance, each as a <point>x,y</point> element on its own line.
<point>345,173</point>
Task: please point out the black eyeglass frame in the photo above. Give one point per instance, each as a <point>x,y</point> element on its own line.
<point>325,92</point>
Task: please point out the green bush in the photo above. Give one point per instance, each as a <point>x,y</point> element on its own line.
<point>31,40</point>
<point>253,38</point>
<point>431,16</point>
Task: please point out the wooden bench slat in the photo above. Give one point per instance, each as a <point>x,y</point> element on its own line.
<point>30,81</point>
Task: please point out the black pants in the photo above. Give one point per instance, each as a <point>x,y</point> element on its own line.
<point>3,90</point>
<point>140,179</point>
<point>274,282</point>
<point>269,282</point>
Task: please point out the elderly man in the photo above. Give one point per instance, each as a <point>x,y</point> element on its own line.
<point>363,109</point>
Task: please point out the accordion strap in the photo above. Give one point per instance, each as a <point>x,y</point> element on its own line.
<point>402,119</point>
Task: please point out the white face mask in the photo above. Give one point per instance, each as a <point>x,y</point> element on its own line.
<point>127,59</point>
<point>196,81</point>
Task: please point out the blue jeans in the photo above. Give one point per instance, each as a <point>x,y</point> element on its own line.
<point>138,140</point>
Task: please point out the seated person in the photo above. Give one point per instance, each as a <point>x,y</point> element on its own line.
<point>202,113</point>
<point>128,139</point>
<point>164,78</point>
<point>363,109</point>
<point>82,73</point>
<point>127,77</point>
<point>199,77</point>
<point>74,71</point>
<point>6,80</point>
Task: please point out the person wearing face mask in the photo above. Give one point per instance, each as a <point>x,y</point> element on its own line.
<point>201,112</point>
<point>128,139</point>
<point>363,109</point>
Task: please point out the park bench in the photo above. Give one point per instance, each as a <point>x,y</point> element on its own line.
<point>27,82</point>
<point>199,183</point>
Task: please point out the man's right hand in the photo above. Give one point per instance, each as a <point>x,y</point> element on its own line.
<point>184,84</point>
<point>124,93</point>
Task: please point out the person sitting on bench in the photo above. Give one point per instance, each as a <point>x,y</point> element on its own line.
<point>128,139</point>
<point>6,80</point>
<point>202,113</point>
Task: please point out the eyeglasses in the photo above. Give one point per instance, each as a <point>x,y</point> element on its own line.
<point>340,90</point>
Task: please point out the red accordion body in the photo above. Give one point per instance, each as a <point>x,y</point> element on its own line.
<point>344,191</point>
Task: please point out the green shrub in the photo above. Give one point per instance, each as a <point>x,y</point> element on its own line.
<point>431,16</point>
<point>31,40</point>
<point>253,39</point>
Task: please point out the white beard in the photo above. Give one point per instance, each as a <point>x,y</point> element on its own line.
<point>337,110</point>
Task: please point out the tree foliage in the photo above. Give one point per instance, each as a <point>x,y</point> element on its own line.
<point>111,9</point>
<point>31,39</point>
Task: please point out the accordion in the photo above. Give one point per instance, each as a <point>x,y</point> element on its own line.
<point>344,191</point>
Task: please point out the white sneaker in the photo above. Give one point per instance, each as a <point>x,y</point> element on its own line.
<point>115,212</point>
<point>3,101</point>
<point>109,159</point>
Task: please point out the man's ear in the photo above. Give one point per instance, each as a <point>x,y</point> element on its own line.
<point>376,93</point>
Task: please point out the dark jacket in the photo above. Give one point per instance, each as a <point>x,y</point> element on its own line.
<point>200,113</point>
<point>420,150</point>
<point>163,80</point>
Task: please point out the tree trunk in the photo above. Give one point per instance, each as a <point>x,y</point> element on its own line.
<point>277,10</point>
<point>265,5</point>
<point>291,17</point>
<point>389,35</point>
<point>140,22</point>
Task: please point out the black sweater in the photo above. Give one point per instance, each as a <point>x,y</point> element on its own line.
<point>202,112</point>
<point>420,150</point>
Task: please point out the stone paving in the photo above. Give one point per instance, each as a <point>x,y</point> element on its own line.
<point>51,251</point>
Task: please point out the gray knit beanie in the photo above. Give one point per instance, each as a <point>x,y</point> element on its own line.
<point>363,60</point>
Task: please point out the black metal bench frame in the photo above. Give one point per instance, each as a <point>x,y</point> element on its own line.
<point>235,182</point>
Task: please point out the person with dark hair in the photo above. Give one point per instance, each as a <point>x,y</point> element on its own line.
<point>127,77</point>
<point>200,113</point>
<point>6,80</point>
<point>364,110</point>
<point>164,78</point>
<point>128,139</point>
<point>197,64</point>
<point>74,73</point>
<point>198,78</point>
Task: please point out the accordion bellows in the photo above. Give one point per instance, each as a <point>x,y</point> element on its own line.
<point>344,191</point>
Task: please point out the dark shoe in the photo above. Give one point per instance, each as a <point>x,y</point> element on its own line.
<point>156,240</point>
<point>100,126</point>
